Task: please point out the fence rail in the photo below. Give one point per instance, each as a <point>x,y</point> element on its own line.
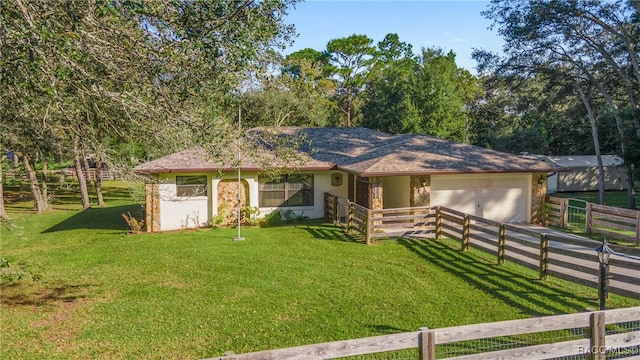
<point>613,222</point>
<point>384,223</point>
<point>594,340</point>
<point>568,257</point>
<point>557,211</point>
<point>549,253</point>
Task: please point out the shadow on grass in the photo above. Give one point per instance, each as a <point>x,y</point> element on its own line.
<point>107,218</point>
<point>61,294</point>
<point>530,295</point>
<point>327,231</point>
<point>70,197</point>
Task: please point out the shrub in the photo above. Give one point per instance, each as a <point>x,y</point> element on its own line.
<point>221,218</point>
<point>135,225</point>
<point>284,217</point>
<point>249,215</point>
<point>273,218</point>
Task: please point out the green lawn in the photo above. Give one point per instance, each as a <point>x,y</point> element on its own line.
<point>195,294</point>
<point>611,198</point>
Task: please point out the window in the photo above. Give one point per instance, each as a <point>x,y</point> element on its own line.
<point>286,190</point>
<point>189,186</point>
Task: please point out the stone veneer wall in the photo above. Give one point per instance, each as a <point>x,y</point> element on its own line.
<point>228,197</point>
<point>376,194</point>
<point>538,194</point>
<point>152,207</point>
<point>420,195</point>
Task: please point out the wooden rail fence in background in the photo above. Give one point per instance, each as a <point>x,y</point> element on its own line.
<point>595,341</point>
<point>532,249</point>
<point>557,211</point>
<point>610,221</point>
<point>602,219</point>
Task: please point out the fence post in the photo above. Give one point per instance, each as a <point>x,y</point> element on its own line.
<point>587,219</point>
<point>564,218</point>
<point>427,344</point>
<point>544,256</point>
<point>598,335</point>
<point>438,223</point>
<point>465,232</point>
<point>350,218</point>
<point>501,243</point>
<point>368,227</point>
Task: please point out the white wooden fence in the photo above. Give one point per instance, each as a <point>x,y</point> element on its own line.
<point>596,341</point>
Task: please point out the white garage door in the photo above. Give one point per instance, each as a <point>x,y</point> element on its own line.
<point>503,198</point>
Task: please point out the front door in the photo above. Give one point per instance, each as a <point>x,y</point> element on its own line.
<point>362,192</point>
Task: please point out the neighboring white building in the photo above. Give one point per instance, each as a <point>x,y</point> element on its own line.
<point>584,173</point>
<point>374,169</point>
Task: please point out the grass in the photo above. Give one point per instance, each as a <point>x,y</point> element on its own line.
<point>195,294</point>
<point>611,198</point>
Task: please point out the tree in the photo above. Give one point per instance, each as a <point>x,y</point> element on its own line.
<point>388,97</point>
<point>441,94</point>
<point>425,94</point>
<point>3,211</point>
<point>162,73</point>
<point>298,96</point>
<point>597,42</point>
<point>297,64</point>
<point>351,58</point>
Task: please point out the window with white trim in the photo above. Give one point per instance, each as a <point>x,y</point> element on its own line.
<point>286,190</point>
<point>191,186</point>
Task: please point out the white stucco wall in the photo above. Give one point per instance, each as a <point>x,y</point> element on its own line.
<point>179,213</point>
<point>182,212</point>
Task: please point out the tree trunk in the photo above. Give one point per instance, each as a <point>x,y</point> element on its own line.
<point>97,181</point>
<point>33,184</point>
<point>631,196</point>
<point>84,193</point>
<point>596,140</point>
<point>3,211</point>
<point>631,189</point>
<point>87,169</point>
<point>44,188</point>
<point>630,43</point>
<point>16,160</point>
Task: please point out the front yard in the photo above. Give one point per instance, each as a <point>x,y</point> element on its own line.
<point>195,294</point>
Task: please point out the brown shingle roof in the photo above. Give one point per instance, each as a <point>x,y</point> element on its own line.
<point>365,152</point>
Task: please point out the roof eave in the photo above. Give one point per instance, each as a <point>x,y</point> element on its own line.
<point>457,172</point>
<point>226,169</point>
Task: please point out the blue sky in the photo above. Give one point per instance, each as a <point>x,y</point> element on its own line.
<point>451,25</point>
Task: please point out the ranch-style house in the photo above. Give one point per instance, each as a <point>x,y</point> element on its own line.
<point>371,168</point>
